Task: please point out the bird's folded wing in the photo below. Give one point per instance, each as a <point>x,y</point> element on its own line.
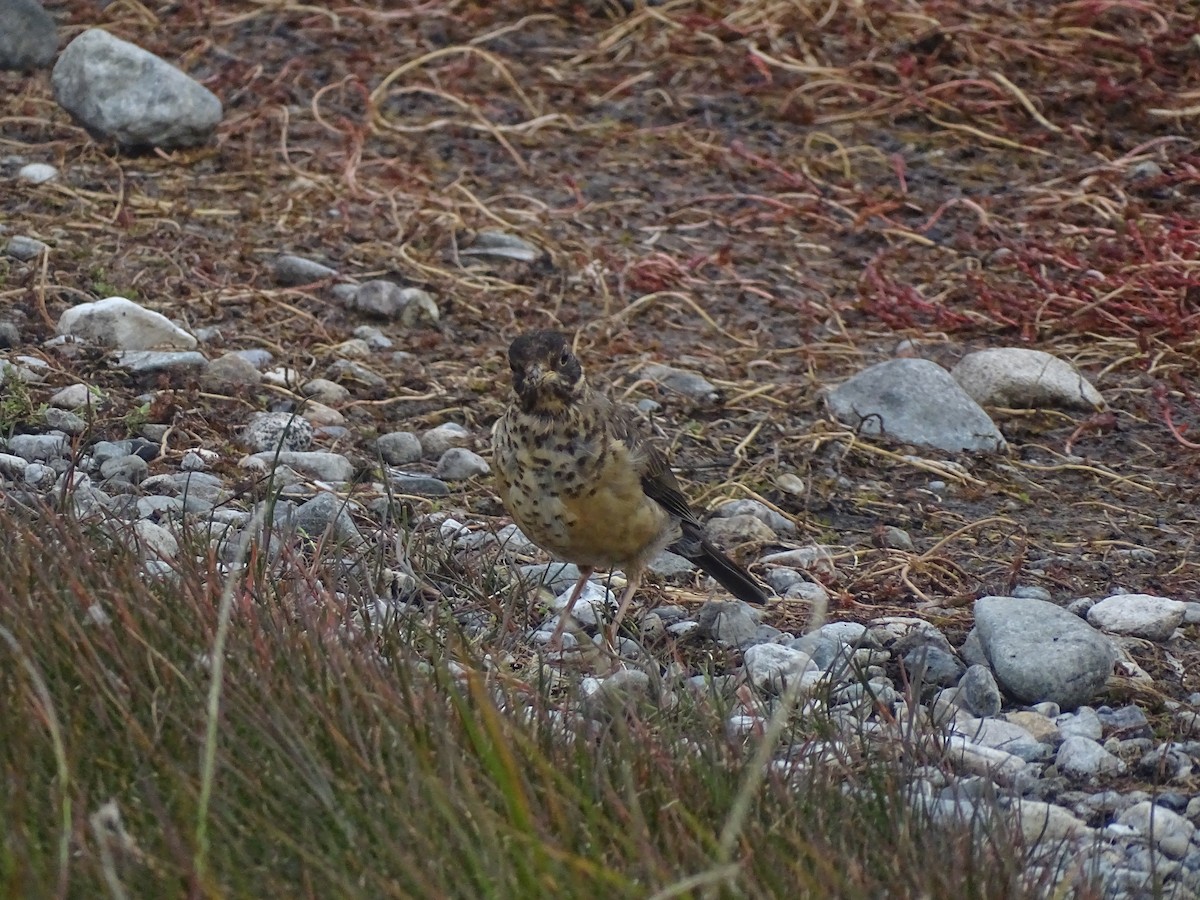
<point>658,481</point>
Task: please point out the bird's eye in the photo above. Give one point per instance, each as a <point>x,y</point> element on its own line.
<point>565,358</point>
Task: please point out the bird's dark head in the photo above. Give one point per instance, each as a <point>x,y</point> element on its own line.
<point>547,376</point>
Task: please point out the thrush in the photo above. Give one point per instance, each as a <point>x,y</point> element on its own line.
<point>584,483</point>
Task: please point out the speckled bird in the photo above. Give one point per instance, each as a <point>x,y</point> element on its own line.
<point>585,484</point>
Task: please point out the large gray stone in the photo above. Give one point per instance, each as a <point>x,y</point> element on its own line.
<point>121,92</point>
<point>28,37</point>
<point>1040,652</point>
<point>915,401</point>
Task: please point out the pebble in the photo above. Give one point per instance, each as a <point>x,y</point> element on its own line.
<point>461,464</point>
<point>383,299</point>
<point>399,448</point>
<point>153,362</point>
<point>1084,722</point>
<point>39,447</point>
<point>1043,729</point>
<point>896,539</point>
<point>778,524</point>
<point>773,667</point>
<point>40,477</point>
<point>74,396</point>
<point>321,416</point>
<point>1083,759</point>
<point>350,370</point>
<point>818,560</point>
<point>154,541</point>
<point>618,693</point>
<point>729,624</point>
<point>12,466</point>
<point>130,469</point>
<point>29,38</point>
<point>808,592</point>
<point>64,421</point>
<point>270,430</point>
<point>933,665</point>
<point>198,459</point>
<point>693,386</point>
<point>375,338</point>
<point>1169,831</point>
<point>978,692</point>
<point>291,270</point>
<point>323,466</point>
<point>420,485</point>
<point>595,605</point>
<point>322,390</point>
<point>230,372</point>
<point>19,246</point>
<point>1048,822</point>
<point>436,441</point>
<point>671,566</point>
<point>328,513</point>
<point>726,532</point>
<point>502,245</point>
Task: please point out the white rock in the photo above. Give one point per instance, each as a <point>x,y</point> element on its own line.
<point>460,464</point>
<point>976,759</point>
<point>74,396</point>
<point>1001,735</point>
<point>1139,615</point>
<point>1018,377</point>
<point>773,666</point>
<point>199,459</point>
<point>37,173</point>
<point>155,541</point>
<point>1047,822</point>
<point>594,605</point>
<point>1169,830</point>
<point>437,441</point>
<point>1084,759</point>
<point>121,323</point>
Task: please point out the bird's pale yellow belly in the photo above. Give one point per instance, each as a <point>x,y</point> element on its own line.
<point>587,508</point>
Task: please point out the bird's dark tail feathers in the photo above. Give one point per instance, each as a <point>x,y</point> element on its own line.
<point>731,576</point>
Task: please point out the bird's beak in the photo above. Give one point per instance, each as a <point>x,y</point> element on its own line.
<point>535,376</point>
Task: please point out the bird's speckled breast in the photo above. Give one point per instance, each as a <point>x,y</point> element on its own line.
<point>574,490</point>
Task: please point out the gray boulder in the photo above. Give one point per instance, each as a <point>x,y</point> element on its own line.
<point>915,401</point>
<point>120,92</point>
<point>28,37</point>
<point>1040,652</point>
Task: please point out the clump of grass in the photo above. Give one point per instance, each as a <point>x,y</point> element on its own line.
<point>358,762</point>
<point>16,403</point>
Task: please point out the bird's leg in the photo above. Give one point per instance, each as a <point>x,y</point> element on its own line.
<point>564,615</point>
<point>635,579</point>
